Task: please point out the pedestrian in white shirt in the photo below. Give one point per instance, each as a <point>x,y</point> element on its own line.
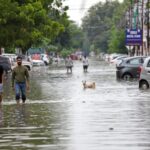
<point>85,63</point>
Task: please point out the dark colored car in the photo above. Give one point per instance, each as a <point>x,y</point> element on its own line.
<point>5,62</point>
<point>129,68</point>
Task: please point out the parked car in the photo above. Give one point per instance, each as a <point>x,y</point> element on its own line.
<point>129,67</point>
<point>5,62</point>
<point>38,62</point>
<point>118,59</point>
<point>112,57</point>
<point>11,56</point>
<point>144,80</point>
<point>25,62</point>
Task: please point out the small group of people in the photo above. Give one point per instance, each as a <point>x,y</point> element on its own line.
<point>20,81</point>
<point>69,64</point>
<point>20,77</point>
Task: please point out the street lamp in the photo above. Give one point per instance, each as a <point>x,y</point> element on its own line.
<point>148,3</point>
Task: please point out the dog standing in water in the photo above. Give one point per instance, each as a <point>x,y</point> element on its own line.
<point>88,85</point>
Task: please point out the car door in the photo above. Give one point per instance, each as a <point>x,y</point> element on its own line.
<point>133,65</point>
<point>5,62</point>
<point>147,71</point>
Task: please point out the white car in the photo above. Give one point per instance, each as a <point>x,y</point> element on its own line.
<point>117,59</point>
<point>144,80</point>
<point>28,64</point>
<point>38,62</point>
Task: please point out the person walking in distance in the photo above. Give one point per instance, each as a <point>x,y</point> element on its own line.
<point>1,82</point>
<point>20,80</point>
<point>69,64</point>
<point>85,63</point>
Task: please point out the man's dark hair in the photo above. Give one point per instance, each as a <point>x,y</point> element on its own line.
<point>19,57</point>
<point>1,69</point>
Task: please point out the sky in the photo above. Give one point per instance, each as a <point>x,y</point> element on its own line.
<point>78,8</point>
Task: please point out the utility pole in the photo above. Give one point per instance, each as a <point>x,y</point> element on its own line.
<point>148,27</point>
<point>142,25</point>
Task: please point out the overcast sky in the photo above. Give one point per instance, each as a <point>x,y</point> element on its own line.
<point>78,8</point>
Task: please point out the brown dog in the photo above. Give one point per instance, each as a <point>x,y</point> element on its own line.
<point>88,85</point>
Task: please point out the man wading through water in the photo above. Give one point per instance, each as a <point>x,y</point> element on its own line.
<point>69,64</point>
<point>20,80</point>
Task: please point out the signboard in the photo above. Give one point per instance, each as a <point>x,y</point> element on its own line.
<point>134,37</point>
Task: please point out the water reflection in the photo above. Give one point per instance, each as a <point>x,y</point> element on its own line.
<point>1,116</point>
<point>18,116</point>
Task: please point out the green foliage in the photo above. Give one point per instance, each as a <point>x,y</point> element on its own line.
<point>98,23</point>
<point>72,37</point>
<point>65,52</point>
<point>117,33</point>
<point>38,23</point>
<point>26,23</point>
<point>7,14</point>
<point>117,41</point>
<point>52,48</point>
<point>76,36</point>
<point>104,26</point>
<point>10,50</point>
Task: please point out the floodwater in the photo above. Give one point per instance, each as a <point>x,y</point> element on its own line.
<point>60,115</point>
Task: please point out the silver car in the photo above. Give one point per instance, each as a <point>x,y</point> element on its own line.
<point>129,67</point>
<point>144,80</point>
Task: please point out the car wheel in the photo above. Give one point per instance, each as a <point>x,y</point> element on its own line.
<point>127,77</point>
<point>144,85</point>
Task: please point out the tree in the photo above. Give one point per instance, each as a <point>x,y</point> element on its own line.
<point>98,22</point>
<point>8,12</point>
<point>117,33</point>
<point>76,36</point>
<point>25,23</point>
<point>72,37</point>
<point>117,41</point>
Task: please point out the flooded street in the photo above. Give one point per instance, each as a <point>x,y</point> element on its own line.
<point>60,115</point>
